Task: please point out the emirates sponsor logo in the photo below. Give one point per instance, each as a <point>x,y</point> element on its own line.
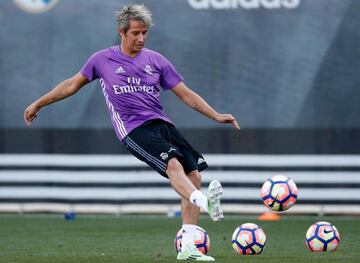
<point>134,85</point>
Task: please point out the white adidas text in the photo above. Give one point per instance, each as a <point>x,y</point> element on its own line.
<point>246,4</point>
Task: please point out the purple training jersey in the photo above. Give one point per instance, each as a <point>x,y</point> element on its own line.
<point>131,85</point>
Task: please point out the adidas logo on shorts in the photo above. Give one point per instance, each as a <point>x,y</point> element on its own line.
<point>200,161</point>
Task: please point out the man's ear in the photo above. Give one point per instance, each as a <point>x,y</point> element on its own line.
<point>121,33</point>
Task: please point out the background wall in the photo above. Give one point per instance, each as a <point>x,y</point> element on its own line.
<point>286,69</point>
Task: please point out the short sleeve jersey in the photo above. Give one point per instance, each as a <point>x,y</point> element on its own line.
<point>131,85</point>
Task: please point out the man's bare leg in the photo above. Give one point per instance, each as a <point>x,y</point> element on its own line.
<point>178,179</point>
<point>182,184</point>
<point>190,212</point>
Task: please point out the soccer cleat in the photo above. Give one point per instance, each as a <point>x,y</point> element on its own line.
<point>214,194</point>
<point>193,254</point>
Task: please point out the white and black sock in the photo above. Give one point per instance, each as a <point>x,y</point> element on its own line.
<point>199,199</point>
<point>188,236</point>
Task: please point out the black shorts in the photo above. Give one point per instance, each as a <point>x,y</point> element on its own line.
<point>156,142</point>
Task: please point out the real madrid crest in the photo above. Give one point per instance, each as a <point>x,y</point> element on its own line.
<point>164,156</point>
<point>148,70</point>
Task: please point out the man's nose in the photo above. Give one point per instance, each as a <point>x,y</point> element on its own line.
<point>141,38</point>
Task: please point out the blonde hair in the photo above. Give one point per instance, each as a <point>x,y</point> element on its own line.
<point>133,12</point>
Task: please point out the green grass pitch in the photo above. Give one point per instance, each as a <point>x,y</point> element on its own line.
<point>50,238</point>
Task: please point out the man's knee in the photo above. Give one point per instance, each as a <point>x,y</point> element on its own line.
<point>195,178</point>
<point>174,166</point>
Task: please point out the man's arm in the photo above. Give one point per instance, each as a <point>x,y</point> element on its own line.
<point>193,100</point>
<point>63,90</point>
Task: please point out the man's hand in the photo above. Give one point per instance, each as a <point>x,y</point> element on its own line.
<point>227,118</point>
<point>30,113</point>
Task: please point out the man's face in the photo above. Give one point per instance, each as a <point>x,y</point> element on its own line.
<point>134,39</point>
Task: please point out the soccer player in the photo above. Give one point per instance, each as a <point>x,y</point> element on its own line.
<point>131,76</point>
